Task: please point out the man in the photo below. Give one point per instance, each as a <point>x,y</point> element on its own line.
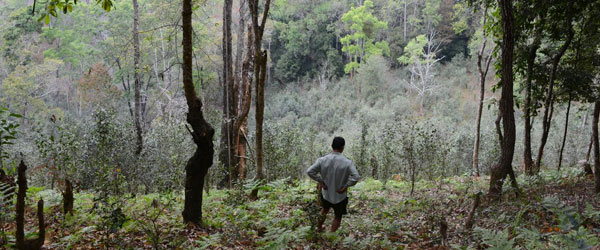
<point>335,173</point>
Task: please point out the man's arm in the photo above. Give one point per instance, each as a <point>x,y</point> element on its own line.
<point>354,176</point>
<point>314,171</point>
<point>352,179</point>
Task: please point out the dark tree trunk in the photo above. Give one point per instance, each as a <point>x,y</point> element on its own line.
<point>21,242</point>
<point>227,150</point>
<point>261,60</point>
<point>546,120</point>
<point>137,80</point>
<point>527,158</point>
<point>68,198</point>
<point>202,133</point>
<point>562,147</point>
<point>587,167</point>
<point>260,68</point>
<point>504,166</point>
<point>596,146</point>
<point>589,151</point>
<point>20,208</point>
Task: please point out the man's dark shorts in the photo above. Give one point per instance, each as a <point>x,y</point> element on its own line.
<point>339,208</point>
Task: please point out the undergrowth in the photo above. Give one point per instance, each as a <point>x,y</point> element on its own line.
<point>556,211</point>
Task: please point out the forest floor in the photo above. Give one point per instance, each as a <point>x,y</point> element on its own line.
<point>555,211</point>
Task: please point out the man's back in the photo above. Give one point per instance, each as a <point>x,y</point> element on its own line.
<point>336,172</point>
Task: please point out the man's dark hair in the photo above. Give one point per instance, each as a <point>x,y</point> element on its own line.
<point>338,143</point>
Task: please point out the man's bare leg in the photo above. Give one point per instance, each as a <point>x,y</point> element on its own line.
<point>324,212</point>
<point>336,224</point>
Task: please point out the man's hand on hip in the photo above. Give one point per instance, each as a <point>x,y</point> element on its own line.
<point>323,185</point>
<point>342,189</point>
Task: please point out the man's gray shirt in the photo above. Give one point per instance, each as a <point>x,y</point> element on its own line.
<point>336,171</point>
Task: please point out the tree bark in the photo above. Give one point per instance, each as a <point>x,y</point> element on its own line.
<point>202,133</point>
<point>562,147</point>
<point>532,53</point>
<point>404,20</point>
<point>138,82</point>
<point>244,102</point>
<point>482,75</point>
<point>68,198</point>
<point>550,98</point>
<point>504,166</point>
<point>260,68</point>
<point>261,61</point>
<point>21,242</point>
<point>239,53</point>
<point>596,147</point>
<point>227,154</point>
<point>589,151</point>
<point>20,207</point>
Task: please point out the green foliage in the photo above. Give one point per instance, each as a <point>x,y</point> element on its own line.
<point>413,53</point>
<point>151,223</point>
<point>24,88</point>
<point>18,27</point>
<point>53,7</point>
<point>302,43</point>
<point>73,46</point>
<point>460,17</point>
<point>7,193</point>
<point>278,238</point>
<point>8,132</point>
<point>363,28</point>
<point>282,152</point>
<point>57,146</point>
<point>375,80</point>
<point>496,240</point>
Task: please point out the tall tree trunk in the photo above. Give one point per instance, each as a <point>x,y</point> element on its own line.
<point>227,154</point>
<point>202,133</point>
<point>504,166</point>
<point>404,20</point>
<point>138,82</point>
<point>244,102</point>
<point>532,53</point>
<point>261,61</point>
<point>242,92</point>
<point>596,146</point>
<point>548,105</point>
<point>239,49</point>
<point>260,68</point>
<point>482,75</point>
<point>562,147</point>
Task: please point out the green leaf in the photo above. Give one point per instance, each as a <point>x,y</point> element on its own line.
<point>47,19</point>
<point>16,115</point>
